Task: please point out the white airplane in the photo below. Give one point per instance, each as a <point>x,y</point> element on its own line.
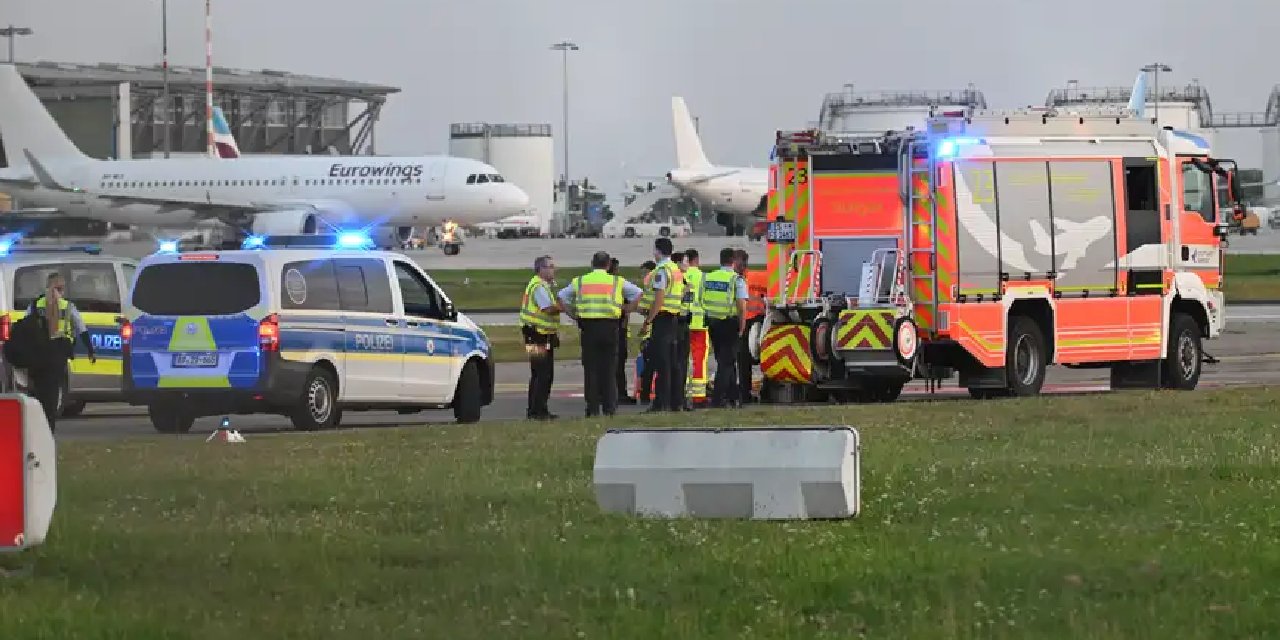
<point>259,195</point>
<point>735,193</point>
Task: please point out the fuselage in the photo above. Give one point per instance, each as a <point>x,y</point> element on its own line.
<point>180,191</point>
<point>738,193</point>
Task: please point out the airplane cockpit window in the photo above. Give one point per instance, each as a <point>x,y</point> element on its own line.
<point>482,179</point>
<point>497,178</point>
<point>471,179</point>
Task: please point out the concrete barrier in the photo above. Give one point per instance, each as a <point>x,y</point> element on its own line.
<point>805,472</point>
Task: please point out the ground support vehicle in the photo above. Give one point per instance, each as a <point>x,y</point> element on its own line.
<point>990,247</point>
<point>300,326</point>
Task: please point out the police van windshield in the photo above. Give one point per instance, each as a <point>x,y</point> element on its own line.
<point>92,287</point>
<point>196,288</point>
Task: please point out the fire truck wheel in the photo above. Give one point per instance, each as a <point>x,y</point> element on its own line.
<point>1182,365</point>
<point>1024,357</point>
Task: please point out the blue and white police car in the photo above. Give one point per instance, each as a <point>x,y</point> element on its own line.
<point>303,326</point>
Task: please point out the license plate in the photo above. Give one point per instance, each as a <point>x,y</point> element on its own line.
<point>185,360</point>
<point>780,231</point>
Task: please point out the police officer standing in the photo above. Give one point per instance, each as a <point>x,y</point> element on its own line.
<point>682,333</point>
<point>620,374</point>
<point>667,284</point>
<point>745,365</point>
<point>64,323</point>
<point>598,301</point>
<point>724,299</point>
<point>540,324</point>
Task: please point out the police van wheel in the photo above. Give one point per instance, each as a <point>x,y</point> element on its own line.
<point>73,408</point>
<point>468,399</point>
<point>168,418</point>
<point>317,408</point>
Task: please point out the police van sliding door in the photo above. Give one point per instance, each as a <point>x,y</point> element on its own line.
<point>431,348</point>
<point>374,342</point>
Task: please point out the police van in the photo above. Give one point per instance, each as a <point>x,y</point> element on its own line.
<point>303,326</point>
<point>95,284</point>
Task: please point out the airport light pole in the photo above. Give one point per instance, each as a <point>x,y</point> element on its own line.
<point>564,47</point>
<point>164,45</point>
<point>1155,68</point>
<point>12,33</point>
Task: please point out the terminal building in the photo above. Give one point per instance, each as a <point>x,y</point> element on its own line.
<point>875,113</point>
<point>118,111</point>
<point>1189,108</point>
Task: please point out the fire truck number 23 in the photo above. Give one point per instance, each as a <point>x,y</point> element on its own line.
<point>799,176</point>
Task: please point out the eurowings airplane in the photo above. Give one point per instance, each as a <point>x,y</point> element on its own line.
<point>734,193</point>
<point>261,195</point>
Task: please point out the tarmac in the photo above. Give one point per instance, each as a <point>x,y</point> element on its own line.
<point>1248,354</point>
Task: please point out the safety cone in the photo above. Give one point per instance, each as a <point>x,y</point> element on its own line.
<point>224,433</point>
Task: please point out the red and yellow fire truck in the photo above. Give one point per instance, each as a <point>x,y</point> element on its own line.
<point>990,246</point>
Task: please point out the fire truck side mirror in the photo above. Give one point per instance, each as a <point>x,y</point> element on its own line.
<point>1233,185</point>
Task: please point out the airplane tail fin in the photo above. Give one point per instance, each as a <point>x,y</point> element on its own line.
<point>27,127</point>
<point>689,153</point>
<point>1138,97</point>
<point>224,144</point>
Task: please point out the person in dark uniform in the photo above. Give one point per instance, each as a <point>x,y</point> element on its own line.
<point>744,348</point>
<point>724,299</point>
<point>620,377</point>
<point>644,368</point>
<point>598,301</point>
<point>667,284</point>
<point>682,333</point>
<point>63,321</point>
<point>540,326</point>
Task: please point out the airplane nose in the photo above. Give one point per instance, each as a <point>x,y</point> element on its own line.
<point>516,199</point>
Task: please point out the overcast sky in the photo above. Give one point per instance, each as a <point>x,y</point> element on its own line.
<point>746,67</point>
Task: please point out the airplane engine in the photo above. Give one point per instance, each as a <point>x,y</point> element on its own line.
<point>284,222</point>
<point>390,237</point>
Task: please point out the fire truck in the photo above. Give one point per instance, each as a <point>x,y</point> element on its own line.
<point>988,246</point>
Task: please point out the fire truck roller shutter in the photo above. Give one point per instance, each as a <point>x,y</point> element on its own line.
<point>1084,219</point>
<point>842,260</point>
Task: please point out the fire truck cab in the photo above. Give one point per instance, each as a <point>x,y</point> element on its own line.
<point>990,246</point>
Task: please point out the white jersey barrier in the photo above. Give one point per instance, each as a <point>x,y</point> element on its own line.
<point>762,474</point>
<point>28,473</point>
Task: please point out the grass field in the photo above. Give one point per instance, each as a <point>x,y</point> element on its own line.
<point>1135,515</point>
<point>1252,277</point>
<point>1249,277</point>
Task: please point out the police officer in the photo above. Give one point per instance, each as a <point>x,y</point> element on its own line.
<point>599,301</point>
<point>540,324</point>
<point>620,374</point>
<point>744,349</point>
<point>64,323</point>
<point>667,284</point>
<point>682,335</point>
<point>724,299</point>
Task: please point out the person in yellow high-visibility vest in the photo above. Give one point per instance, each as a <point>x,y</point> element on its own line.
<point>724,298</point>
<point>540,324</point>
<point>667,284</point>
<point>699,349</point>
<point>598,301</point>
<point>62,319</point>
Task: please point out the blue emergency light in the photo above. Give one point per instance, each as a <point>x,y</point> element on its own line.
<point>948,147</point>
<point>340,240</point>
<point>168,246</point>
